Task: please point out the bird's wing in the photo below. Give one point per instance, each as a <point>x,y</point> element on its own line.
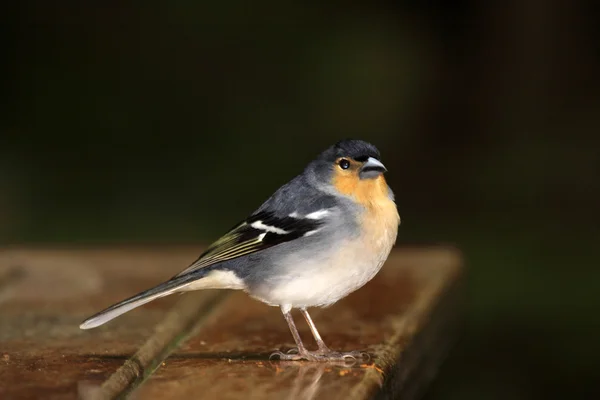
<point>260,231</point>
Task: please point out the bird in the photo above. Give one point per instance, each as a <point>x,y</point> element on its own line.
<point>319,237</point>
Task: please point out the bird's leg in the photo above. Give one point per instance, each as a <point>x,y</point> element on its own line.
<point>323,354</point>
<point>323,349</point>
<point>302,354</point>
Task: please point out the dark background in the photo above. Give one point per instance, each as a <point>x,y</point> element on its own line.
<point>170,122</point>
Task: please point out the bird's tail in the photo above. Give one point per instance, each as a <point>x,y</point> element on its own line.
<point>164,289</point>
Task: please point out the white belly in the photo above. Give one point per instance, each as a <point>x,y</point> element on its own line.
<point>321,281</point>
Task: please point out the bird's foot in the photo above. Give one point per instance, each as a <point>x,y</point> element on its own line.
<point>322,355</point>
<point>345,355</point>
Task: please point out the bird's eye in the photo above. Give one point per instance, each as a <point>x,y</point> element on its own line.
<point>344,164</point>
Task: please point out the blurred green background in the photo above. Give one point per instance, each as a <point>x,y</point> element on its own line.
<point>169,122</point>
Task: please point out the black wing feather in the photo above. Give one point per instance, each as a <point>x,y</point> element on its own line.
<point>244,239</point>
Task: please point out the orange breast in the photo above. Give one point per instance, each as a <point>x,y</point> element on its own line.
<point>380,220</point>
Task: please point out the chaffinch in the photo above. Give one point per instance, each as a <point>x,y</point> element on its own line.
<point>319,237</point>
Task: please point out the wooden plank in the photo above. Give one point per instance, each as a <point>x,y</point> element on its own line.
<point>406,318</point>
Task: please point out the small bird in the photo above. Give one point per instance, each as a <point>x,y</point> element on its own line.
<point>319,237</point>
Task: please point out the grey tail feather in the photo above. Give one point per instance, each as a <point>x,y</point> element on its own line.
<point>164,289</point>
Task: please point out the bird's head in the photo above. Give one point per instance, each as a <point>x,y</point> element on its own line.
<point>352,167</point>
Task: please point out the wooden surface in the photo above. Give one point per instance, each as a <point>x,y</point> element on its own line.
<point>407,318</point>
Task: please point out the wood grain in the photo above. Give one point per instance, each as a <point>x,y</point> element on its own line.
<point>407,318</point>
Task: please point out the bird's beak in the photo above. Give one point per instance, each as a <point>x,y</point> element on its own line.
<point>372,168</point>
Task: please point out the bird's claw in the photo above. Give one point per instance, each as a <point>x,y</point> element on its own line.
<point>351,356</point>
